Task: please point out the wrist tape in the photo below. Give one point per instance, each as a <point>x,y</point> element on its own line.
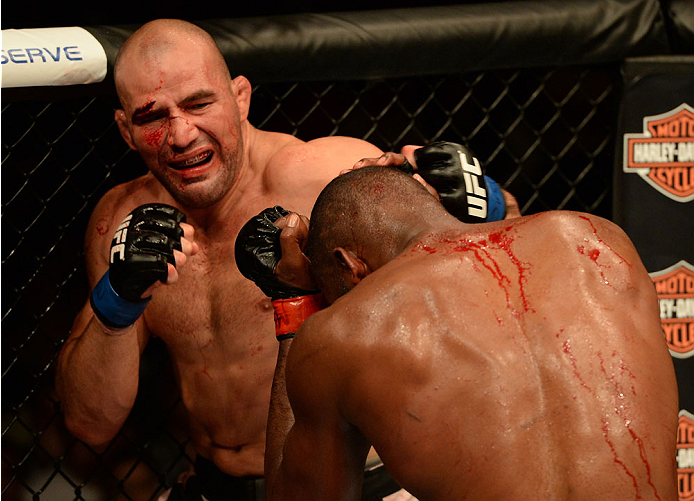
<point>496,205</point>
<point>113,310</point>
<point>290,313</point>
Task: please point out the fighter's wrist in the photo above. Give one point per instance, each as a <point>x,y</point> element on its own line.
<point>113,311</point>
<point>496,204</point>
<point>113,331</point>
<point>290,313</point>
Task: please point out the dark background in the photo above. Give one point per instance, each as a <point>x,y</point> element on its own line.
<point>18,14</point>
<point>61,153</point>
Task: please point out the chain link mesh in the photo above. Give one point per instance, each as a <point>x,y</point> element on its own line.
<point>546,135</point>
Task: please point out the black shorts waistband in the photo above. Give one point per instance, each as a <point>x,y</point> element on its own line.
<point>216,485</point>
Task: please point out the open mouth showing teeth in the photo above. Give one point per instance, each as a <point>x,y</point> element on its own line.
<point>196,161</point>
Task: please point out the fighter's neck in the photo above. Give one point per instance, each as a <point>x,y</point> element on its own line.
<point>413,234</point>
<point>429,229</point>
<point>211,218</point>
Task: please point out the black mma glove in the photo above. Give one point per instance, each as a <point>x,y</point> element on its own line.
<point>457,177</point>
<point>141,247</point>
<point>257,251</point>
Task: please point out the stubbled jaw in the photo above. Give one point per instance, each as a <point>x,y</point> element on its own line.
<point>196,161</point>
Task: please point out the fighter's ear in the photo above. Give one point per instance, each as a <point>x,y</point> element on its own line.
<point>241,88</point>
<point>356,268</point>
<point>122,122</point>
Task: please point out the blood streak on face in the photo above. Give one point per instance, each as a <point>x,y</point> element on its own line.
<point>153,135</point>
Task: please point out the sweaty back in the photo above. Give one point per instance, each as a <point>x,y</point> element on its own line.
<point>513,360</point>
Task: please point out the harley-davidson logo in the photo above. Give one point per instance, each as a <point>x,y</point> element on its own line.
<point>685,456</point>
<point>675,289</point>
<point>663,154</point>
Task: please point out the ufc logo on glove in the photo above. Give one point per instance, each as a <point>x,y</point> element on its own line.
<point>477,196</point>
<point>118,245</point>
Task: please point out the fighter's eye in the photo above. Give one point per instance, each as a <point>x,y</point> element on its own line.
<point>199,106</point>
<point>147,118</point>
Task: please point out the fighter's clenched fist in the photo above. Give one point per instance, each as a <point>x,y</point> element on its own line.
<point>463,188</point>
<point>452,173</point>
<point>258,251</point>
<point>142,248</point>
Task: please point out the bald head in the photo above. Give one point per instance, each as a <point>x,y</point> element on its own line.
<point>373,212</point>
<point>159,39</point>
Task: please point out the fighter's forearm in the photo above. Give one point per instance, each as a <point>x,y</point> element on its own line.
<point>512,208</point>
<point>97,379</point>
<point>280,420</point>
<point>97,373</point>
<point>258,259</point>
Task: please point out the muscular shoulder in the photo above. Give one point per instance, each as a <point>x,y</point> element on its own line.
<point>304,168</point>
<point>579,241</point>
<point>348,323</point>
<point>321,342</point>
<point>340,147</point>
<point>577,227</point>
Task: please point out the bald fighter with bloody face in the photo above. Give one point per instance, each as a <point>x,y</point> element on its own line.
<point>160,260</point>
<point>520,359</point>
<point>175,277</point>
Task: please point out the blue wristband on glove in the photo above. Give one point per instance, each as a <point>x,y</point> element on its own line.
<point>496,205</point>
<point>113,310</point>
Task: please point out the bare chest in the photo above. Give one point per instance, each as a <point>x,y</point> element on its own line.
<point>211,305</point>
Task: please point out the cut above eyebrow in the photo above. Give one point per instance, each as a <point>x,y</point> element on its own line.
<point>143,110</point>
<point>146,110</point>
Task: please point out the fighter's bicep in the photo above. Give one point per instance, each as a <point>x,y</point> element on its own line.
<point>318,463</point>
<point>304,466</point>
<point>322,449</point>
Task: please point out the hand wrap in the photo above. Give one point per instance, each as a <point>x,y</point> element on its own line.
<point>257,251</point>
<point>142,246</point>
<point>290,313</point>
<point>457,177</point>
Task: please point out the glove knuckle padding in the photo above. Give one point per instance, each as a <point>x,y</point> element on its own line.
<point>141,248</point>
<point>257,251</point>
<point>457,177</point>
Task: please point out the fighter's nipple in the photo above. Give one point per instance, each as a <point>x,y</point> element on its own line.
<point>265,304</point>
